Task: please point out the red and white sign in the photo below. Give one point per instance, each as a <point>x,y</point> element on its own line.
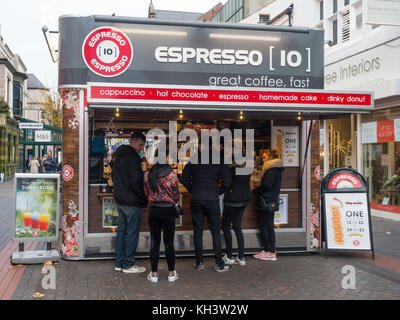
<point>67,173</point>
<point>385,131</point>
<point>344,180</point>
<point>101,93</point>
<point>107,51</point>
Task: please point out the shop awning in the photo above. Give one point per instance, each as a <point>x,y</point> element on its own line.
<point>229,98</point>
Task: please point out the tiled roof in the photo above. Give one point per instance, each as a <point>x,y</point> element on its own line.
<point>34,83</point>
<point>177,15</point>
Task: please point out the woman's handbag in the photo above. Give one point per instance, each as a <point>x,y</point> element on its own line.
<point>178,210</point>
<point>270,206</point>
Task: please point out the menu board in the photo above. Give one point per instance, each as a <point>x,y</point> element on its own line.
<point>281,216</point>
<point>286,140</point>
<point>347,221</point>
<point>36,207</point>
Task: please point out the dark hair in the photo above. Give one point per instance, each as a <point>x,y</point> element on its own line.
<point>138,135</point>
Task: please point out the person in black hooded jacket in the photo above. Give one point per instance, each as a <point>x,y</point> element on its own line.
<point>127,176</point>
<point>268,190</point>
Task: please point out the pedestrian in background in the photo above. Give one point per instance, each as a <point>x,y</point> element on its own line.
<point>268,192</point>
<point>161,186</point>
<point>34,165</point>
<point>50,164</point>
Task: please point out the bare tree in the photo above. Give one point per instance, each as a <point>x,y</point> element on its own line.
<point>51,107</point>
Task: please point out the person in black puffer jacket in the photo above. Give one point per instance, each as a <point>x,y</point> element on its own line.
<point>127,176</point>
<point>268,190</point>
<point>206,182</point>
<point>235,202</point>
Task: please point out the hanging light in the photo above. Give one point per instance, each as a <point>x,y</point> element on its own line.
<point>117,109</point>
<point>241,115</point>
<point>299,116</point>
<point>180,111</point>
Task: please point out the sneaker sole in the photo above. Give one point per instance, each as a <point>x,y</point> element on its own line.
<point>223,270</point>
<point>133,271</point>
<point>173,280</point>
<point>118,269</point>
<point>268,259</point>
<point>152,280</point>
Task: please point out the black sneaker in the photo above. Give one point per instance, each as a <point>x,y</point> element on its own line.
<point>223,268</point>
<point>199,266</point>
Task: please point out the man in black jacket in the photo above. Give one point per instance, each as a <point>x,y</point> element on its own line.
<point>129,194</point>
<point>206,182</point>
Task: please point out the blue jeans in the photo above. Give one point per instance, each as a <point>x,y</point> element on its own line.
<point>129,220</point>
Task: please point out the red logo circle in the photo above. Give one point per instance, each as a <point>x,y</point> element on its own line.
<point>107,51</point>
<point>68,173</point>
<point>356,243</point>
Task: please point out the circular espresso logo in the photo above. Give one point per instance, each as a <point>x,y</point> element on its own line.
<point>68,173</point>
<point>107,51</point>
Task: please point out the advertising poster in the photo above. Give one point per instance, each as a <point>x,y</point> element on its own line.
<point>110,212</point>
<point>36,207</point>
<point>281,216</point>
<point>347,221</point>
<point>285,140</point>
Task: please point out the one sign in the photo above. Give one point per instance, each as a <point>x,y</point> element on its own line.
<point>286,141</point>
<point>380,131</point>
<point>346,214</point>
<point>139,51</point>
<point>67,173</point>
<point>107,51</point>
<point>43,136</point>
<point>369,132</point>
<point>110,212</point>
<point>386,12</point>
<point>347,221</point>
<point>281,216</point>
<point>36,207</point>
<point>293,99</point>
<point>31,125</point>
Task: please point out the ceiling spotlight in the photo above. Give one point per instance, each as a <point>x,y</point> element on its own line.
<point>117,109</point>
<point>181,111</point>
<point>117,114</point>
<point>181,116</point>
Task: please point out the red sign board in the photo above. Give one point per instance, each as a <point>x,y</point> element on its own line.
<point>167,95</point>
<point>385,131</point>
<point>107,51</point>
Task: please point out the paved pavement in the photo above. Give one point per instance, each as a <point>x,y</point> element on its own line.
<point>295,277</point>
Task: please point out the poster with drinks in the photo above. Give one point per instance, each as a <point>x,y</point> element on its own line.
<point>36,207</point>
<point>110,212</point>
<point>347,221</point>
<point>286,140</point>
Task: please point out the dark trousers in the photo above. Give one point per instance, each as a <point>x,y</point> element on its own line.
<point>266,221</point>
<point>233,216</point>
<point>210,209</point>
<point>162,219</point>
<point>127,239</point>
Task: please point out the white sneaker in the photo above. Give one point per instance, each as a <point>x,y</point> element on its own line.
<point>117,269</point>
<point>134,269</point>
<point>241,262</point>
<point>227,260</point>
<point>152,278</point>
<point>173,277</point>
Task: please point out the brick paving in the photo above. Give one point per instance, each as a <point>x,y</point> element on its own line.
<point>294,277</point>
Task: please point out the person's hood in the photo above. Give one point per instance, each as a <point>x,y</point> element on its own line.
<point>274,163</point>
<point>125,150</point>
<point>156,172</point>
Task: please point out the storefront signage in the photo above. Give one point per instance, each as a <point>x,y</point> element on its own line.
<point>281,216</point>
<point>380,131</point>
<point>286,141</point>
<point>311,99</point>
<point>110,212</point>
<point>36,207</point>
<point>383,12</point>
<point>346,211</point>
<point>67,173</point>
<point>107,51</point>
<point>31,125</point>
<point>101,48</point>
<point>43,136</point>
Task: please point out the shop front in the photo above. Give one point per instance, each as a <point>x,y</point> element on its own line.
<point>259,85</point>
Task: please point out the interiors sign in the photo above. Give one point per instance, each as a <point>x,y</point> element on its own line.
<point>311,99</point>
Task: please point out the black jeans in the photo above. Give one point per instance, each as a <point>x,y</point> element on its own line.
<point>162,218</point>
<point>233,215</point>
<point>266,220</point>
<point>210,209</point>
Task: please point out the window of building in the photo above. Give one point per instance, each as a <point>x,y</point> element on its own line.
<point>346,2</point>
<point>321,10</point>
<point>334,32</point>
<point>264,18</point>
<point>8,147</point>
<point>334,6</point>
<point>346,26</point>
<point>17,98</point>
